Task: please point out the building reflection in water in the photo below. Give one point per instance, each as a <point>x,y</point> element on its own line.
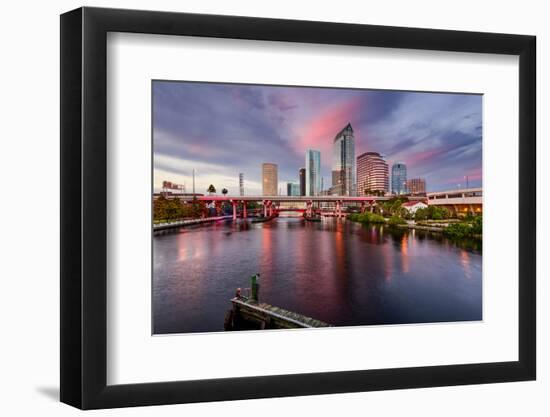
<point>335,270</point>
<point>405,253</point>
<point>465,260</point>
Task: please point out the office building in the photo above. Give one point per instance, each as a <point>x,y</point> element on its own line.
<point>313,172</point>
<point>343,162</point>
<point>292,189</point>
<point>302,176</point>
<point>270,179</point>
<point>416,186</point>
<point>241,184</point>
<point>399,178</point>
<point>372,174</point>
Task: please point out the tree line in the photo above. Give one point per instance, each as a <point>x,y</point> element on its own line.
<point>165,209</point>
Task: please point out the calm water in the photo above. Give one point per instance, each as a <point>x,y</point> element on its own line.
<point>336,271</point>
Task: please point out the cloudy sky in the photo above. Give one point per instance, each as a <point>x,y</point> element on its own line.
<point>221,130</point>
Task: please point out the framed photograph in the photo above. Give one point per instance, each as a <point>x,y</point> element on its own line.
<point>256,208</point>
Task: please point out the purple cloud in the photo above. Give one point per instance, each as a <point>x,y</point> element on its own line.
<point>230,128</point>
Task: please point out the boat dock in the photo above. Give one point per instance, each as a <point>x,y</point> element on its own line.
<point>247,313</point>
<point>266,316</point>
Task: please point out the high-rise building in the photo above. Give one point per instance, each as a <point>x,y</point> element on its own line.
<point>343,162</point>
<point>416,186</point>
<point>241,184</point>
<point>302,176</point>
<point>399,178</point>
<point>372,174</point>
<point>270,179</point>
<point>292,189</point>
<point>313,172</point>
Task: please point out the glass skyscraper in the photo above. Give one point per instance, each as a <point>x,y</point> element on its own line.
<point>302,175</point>
<point>399,178</point>
<point>313,172</point>
<point>343,162</point>
<point>292,189</point>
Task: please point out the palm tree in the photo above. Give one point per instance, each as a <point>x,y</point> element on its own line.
<point>211,189</point>
<point>224,191</point>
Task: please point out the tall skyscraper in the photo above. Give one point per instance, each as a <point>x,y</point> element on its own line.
<point>241,184</point>
<point>313,172</point>
<point>343,162</point>
<point>372,173</point>
<point>270,179</point>
<point>416,186</point>
<point>399,178</point>
<point>302,176</point>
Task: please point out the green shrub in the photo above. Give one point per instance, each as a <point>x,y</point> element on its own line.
<point>366,218</point>
<point>354,217</point>
<point>421,214</point>
<point>395,220</point>
<point>477,225</point>
<point>458,230</point>
<point>174,209</point>
<point>473,228</point>
<point>432,213</point>
<point>371,218</point>
<point>438,213</point>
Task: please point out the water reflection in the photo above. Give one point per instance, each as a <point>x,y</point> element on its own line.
<point>337,271</point>
<point>465,260</point>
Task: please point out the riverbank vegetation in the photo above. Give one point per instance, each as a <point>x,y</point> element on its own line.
<point>432,213</point>
<point>170,209</point>
<point>366,217</point>
<point>392,207</point>
<point>471,228</point>
<point>165,209</point>
<point>396,220</point>
<point>431,218</point>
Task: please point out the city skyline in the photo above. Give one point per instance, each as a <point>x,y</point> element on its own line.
<point>216,128</point>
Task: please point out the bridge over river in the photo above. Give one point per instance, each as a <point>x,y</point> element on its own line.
<point>271,203</point>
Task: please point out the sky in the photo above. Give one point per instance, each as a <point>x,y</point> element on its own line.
<point>221,130</point>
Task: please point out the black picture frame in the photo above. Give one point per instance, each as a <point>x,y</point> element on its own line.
<point>84,207</point>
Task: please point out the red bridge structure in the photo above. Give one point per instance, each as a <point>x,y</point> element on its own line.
<point>271,204</point>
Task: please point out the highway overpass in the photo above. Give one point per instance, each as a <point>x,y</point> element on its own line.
<point>461,201</point>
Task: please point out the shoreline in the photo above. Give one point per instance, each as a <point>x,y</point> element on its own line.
<point>188,222</point>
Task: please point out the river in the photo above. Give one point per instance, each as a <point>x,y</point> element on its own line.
<point>336,271</point>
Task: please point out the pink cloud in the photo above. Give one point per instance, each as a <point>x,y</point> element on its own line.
<point>195,148</point>
<point>318,132</point>
<point>419,158</point>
